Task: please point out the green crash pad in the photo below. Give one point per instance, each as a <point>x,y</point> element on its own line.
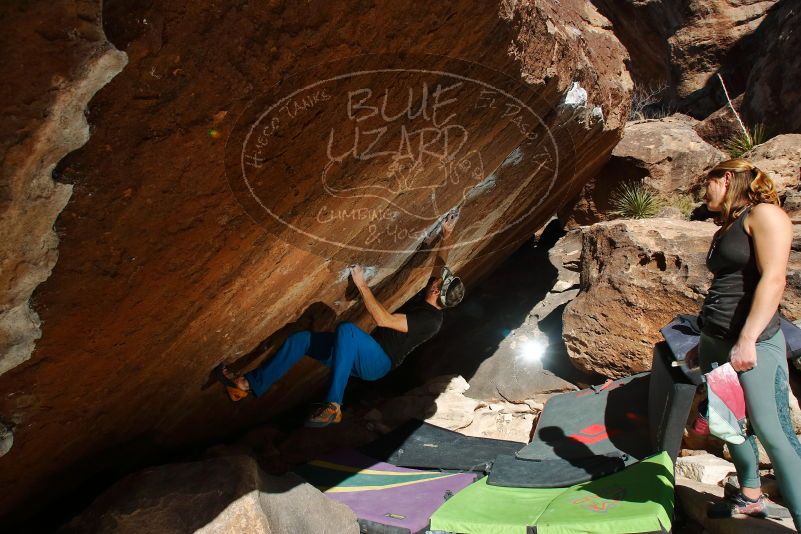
<point>637,499</point>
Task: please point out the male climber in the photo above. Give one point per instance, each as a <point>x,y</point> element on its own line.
<point>350,351</point>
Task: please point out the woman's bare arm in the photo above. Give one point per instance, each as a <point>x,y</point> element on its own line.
<point>772,234</point>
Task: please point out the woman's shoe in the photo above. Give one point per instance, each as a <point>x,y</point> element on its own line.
<point>773,509</point>
<point>739,504</point>
<point>235,393</point>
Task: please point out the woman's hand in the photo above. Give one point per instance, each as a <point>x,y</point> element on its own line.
<point>743,355</point>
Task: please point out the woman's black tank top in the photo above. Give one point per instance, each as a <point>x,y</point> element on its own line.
<point>732,260</point>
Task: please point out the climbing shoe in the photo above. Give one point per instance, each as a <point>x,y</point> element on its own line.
<point>324,415</point>
<point>738,504</point>
<point>223,376</point>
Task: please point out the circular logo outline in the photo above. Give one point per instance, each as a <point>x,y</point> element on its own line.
<point>244,175</point>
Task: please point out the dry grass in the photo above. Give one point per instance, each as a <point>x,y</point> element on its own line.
<point>645,102</point>
<point>685,203</point>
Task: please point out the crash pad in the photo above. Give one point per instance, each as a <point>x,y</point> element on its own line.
<point>592,433</point>
<point>606,420</point>
<point>425,446</point>
<point>637,499</point>
<point>385,498</point>
<point>670,398</point>
<point>513,472</point>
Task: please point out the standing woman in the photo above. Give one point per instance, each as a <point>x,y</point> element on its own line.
<point>740,324</point>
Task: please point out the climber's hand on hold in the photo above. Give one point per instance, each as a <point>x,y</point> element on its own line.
<point>449,224</point>
<point>357,273</point>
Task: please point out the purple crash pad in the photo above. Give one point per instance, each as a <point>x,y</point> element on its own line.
<point>381,494</point>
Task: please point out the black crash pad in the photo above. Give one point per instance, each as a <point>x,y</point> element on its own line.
<point>610,419</point>
<point>512,472</point>
<point>423,446</point>
<point>670,397</point>
<point>598,431</point>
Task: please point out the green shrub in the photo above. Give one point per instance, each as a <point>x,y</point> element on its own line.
<point>740,143</point>
<point>633,200</point>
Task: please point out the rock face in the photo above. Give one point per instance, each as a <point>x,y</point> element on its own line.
<point>682,45</point>
<point>635,277</point>
<point>666,154</point>
<point>442,402</point>
<point>720,126</point>
<point>780,158</point>
<point>216,496</point>
<point>45,110</point>
<point>166,264</point>
<point>773,93</point>
<point>669,152</point>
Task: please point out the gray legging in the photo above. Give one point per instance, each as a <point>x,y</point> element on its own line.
<point>766,397</point>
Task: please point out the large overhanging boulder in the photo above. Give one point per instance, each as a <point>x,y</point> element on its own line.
<point>168,264</point>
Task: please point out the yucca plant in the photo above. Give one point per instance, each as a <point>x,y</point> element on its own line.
<point>740,143</point>
<point>632,200</point>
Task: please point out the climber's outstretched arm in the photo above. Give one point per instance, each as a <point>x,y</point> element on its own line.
<point>444,241</point>
<point>381,316</point>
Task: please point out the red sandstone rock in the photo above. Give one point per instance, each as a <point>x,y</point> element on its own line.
<point>773,93</point>
<point>60,70</point>
<point>162,272</point>
<point>721,125</point>
<point>682,45</point>
<point>636,276</point>
<point>666,155</point>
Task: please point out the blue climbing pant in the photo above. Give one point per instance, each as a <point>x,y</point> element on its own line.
<point>766,389</point>
<point>348,351</point>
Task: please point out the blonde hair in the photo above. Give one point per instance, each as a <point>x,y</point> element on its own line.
<point>747,187</point>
